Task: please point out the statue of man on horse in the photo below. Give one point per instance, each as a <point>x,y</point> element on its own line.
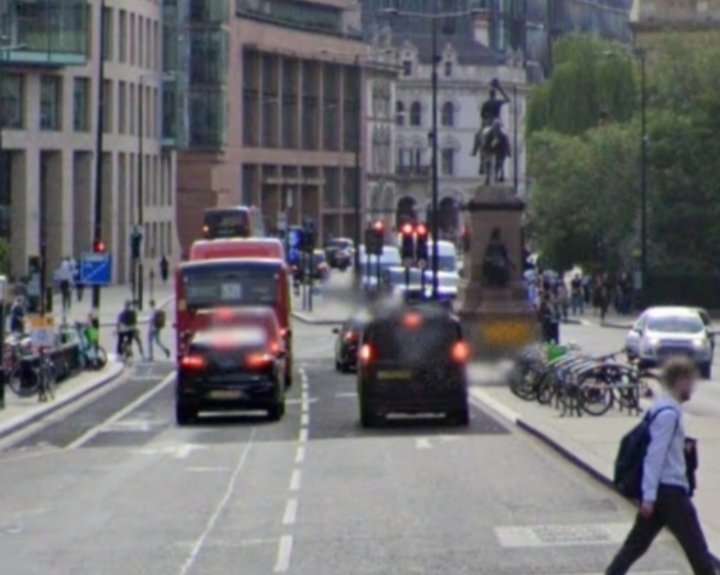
<point>491,141</point>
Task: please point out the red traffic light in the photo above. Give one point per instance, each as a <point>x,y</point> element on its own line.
<point>421,230</point>
<point>99,246</point>
<point>407,229</point>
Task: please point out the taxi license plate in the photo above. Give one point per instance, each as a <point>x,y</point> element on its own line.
<point>394,374</point>
<point>226,394</point>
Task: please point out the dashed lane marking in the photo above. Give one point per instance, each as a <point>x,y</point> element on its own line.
<point>300,455</point>
<point>304,434</point>
<point>295,480</point>
<point>290,514</point>
<point>195,551</point>
<point>282,562</point>
<point>305,419</point>
<point>562,535</point>
<point>423,443</point>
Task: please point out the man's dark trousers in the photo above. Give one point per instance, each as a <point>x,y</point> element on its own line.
<point>674,510</point>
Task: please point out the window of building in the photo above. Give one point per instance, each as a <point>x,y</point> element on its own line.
<point>447,116</point>
<point>50,102</point>
<point>447,156</point>
<point>122,36</point>
<point>81,107</point>
<point>407,67</point>
<point>13,101</point>
<point>132,39</point>
<point>416,114</point>
<point>448,69</point>
<point>108,106</point>
<point>399,113</point>
<point>122,108</point>
<point>108,36</point>
<point>141,40</point>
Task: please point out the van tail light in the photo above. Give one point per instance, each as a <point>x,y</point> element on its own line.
<point>366,354</point>
<point>259,360</point>
<point>460,352</point>
<point>193,362</point>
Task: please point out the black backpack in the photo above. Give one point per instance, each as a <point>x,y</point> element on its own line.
<point>631,456</point>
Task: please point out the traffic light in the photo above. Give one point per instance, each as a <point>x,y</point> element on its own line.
<point>135,244</point>
<point>407,244</point>
<point>421,244</point>
<point>375,239</point>
<point>99,247</point>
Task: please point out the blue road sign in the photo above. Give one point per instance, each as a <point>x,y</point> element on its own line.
<point>95,269</point>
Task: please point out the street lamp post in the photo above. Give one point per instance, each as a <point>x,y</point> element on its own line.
<point>434,17</point>
<point>140,200</point>
<point>643,170</point>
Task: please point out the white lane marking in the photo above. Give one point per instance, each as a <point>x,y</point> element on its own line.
<point>346,395</point>
<point>300,455</point>
<point>305,419</point>
<point>305,406</point>
<point>201,469</point>
<point>195,551</point>
<point>295,480</point>
<point>180,451</point>
<point>423,443</point>
<point>90,433</point>
<point>282,562</point>
<point>184,450</point>
<point>301,400</point>
<point>482,397</point>
<point>304,433</point>
<point>290,514</point>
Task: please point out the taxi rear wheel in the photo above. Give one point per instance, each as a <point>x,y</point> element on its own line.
<point>277,411</point>
<point>184,415</point>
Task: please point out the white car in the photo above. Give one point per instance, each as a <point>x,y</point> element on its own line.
<point>663,332</point>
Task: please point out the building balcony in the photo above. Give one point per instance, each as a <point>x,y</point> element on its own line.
<point>413,171</point>
<point>45,32</point>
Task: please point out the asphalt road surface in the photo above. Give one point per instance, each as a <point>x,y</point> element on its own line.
<point>115,488</point>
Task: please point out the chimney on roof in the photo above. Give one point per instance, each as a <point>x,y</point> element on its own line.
<point>482,27</point>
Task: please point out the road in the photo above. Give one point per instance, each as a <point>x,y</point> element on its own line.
<point>115,488</point>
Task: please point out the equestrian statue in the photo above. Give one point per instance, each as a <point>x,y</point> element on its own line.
<point>491,141</point>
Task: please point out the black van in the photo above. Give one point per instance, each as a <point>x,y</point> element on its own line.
<point>413,360</point>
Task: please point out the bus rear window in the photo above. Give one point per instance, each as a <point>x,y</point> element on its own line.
<point>208,288</point>
<point>227,224</point>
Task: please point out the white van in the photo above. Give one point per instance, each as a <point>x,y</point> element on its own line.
<point>389,258</point>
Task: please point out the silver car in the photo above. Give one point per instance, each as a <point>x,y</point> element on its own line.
<point>663,332</point>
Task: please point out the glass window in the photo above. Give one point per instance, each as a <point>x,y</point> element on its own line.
<point>81,101</point>
<point>407,68</point>
<point>108,37</point>
<point>122,36</point>
<point>448,161</point>
<point>207,118</point>
<point>13,101</point>
<point>122,107</point>
<point>400,113</point>
<point>448,114</point>
<point>448,69</point>
<point>416,114</point>
<point>108,107</point>
<point>50,102</point>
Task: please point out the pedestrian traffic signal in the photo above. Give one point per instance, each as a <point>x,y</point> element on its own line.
<point>407,244</point>
<point>135,244</point>
<point>375,239</point>
<point>99,247</point>
<point>421,243</point>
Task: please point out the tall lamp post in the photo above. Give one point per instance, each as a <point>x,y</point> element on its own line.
<point>641,54</point>
<point>434,18</point>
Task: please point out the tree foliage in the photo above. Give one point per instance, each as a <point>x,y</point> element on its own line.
<point>591,77</point>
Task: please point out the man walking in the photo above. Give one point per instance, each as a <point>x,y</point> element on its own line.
<point>666,484</point>
<point>156,325</point>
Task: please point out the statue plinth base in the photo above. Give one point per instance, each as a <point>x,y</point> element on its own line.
<point>497,321</point>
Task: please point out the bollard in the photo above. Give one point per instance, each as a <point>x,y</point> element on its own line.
<point>48,300</point>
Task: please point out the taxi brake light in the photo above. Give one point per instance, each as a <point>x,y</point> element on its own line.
<point>365,354</point>
<point>412,320</point>
<point>460,351</point>
<point>258,360</point>
<point>192,362</point>
<point>407,229</point>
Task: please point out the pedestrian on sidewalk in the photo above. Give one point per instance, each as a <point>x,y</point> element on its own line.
<point>155,326</point>
<point>562,300</point>
<point>17,316</point>
<point>66,275</point>
<point>79,286</point>
<point>164,269</point>
<point>666,484</point>
<point>577,301</point>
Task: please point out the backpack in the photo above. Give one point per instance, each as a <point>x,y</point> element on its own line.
<point>631,456</point>
<point>159,319</point>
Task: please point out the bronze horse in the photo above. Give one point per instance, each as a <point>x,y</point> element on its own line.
<point>493,144</point>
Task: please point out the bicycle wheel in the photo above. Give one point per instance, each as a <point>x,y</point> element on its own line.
<point>546,389</point>
<point>24,381</point>
<point>521,382</point>
<point>596,396</point>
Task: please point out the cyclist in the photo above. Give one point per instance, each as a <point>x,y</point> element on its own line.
<point>127,329</point>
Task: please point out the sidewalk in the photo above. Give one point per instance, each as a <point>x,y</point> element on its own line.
<point>591,443</point>
<point>21,412</point>
<point>332,302</point>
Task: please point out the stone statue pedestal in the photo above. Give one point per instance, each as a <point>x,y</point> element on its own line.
<point>497,321</point>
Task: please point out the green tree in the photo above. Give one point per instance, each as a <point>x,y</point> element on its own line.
<point>591,77</point>
<point>584,193</point>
